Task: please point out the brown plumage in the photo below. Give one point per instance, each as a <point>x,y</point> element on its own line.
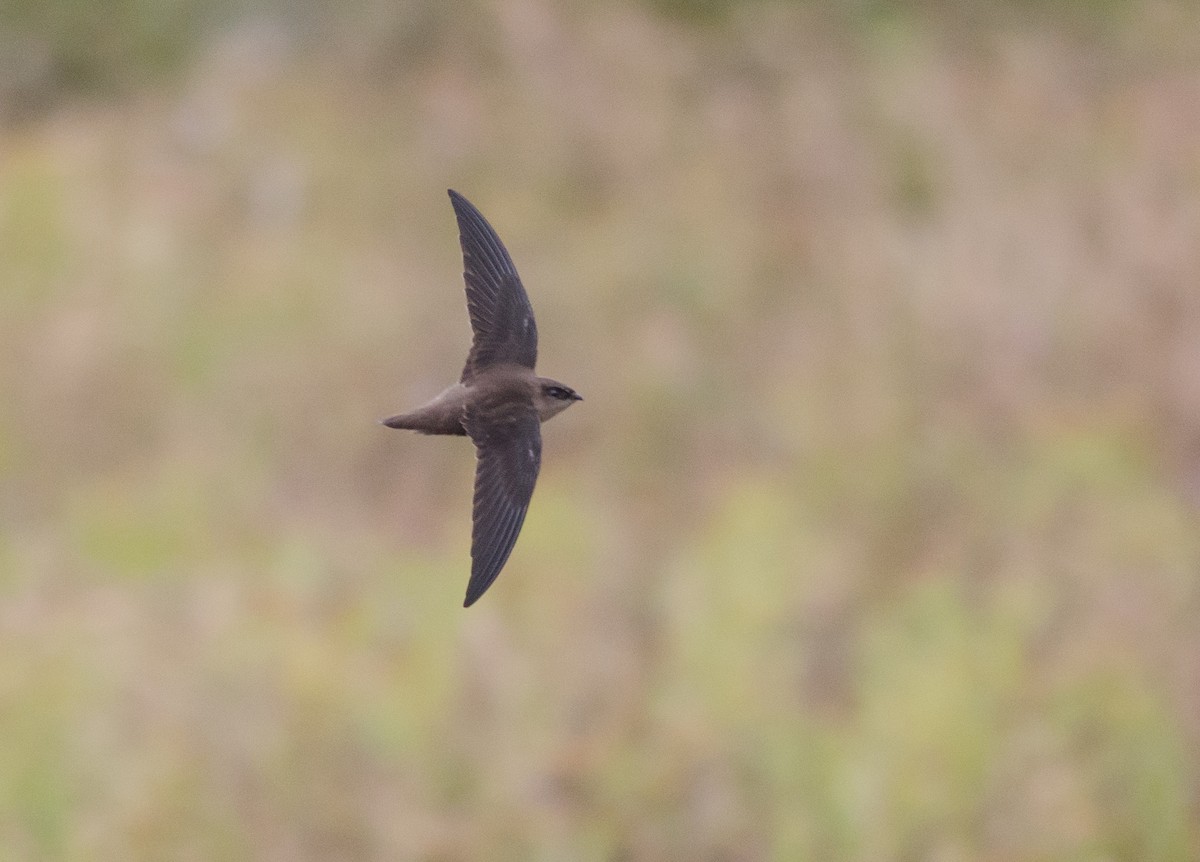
<point>498,401</point>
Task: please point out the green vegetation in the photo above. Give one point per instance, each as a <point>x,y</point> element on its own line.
<point>876,537</point>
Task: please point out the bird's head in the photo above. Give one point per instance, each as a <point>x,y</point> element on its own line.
<point>553,397</point>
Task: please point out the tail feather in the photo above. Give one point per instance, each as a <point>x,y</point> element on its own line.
<point>400,420</point>
<point>423,423</point>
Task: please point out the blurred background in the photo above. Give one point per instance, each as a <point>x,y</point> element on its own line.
<point>876,537</point>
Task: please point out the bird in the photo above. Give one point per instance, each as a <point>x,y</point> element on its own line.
<point>498,401</point>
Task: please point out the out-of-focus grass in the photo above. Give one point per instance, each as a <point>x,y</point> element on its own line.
<point>874,539</point>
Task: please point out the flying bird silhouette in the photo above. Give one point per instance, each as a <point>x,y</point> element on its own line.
<point>498,401</point>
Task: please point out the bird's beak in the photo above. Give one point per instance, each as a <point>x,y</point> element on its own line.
<point>577,397</point>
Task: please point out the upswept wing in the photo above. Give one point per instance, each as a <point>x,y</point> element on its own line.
<point>501,316</point>
<point>508,443</point>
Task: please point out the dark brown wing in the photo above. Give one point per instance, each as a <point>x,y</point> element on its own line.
<point>501,316</point>
<point>508,441</point>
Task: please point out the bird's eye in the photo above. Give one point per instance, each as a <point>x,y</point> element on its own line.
<point>556,392</point>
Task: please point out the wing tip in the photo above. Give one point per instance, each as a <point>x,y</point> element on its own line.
<point>475,592</point>
<point>481,580</point>
<point>470,219</point>
<point>459,202</point>
<point>461,205</point>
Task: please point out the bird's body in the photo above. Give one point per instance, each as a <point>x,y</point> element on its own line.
<point>444,414</point>
<point>499,402</point>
